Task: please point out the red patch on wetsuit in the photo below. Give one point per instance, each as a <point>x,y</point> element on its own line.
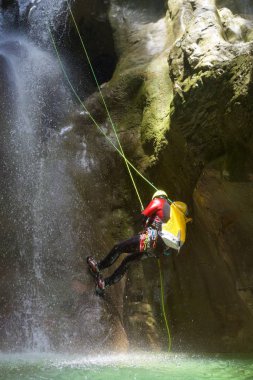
<point>148,240</point>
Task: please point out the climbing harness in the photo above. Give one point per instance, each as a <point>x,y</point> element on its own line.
<point>148,240</point>
<point>119,150</point>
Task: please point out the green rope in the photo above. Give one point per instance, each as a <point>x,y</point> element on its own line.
<point>120,151</point>
<point>163,306</point>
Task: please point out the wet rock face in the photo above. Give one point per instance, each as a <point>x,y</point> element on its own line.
<point>10,9</point>
<point>96,31</point>
<point>243,8</point>
<point>8,226</point>
<point>182,94</point>
<point>6,3</point>
<point>145,11</point>
<point>103,25</point>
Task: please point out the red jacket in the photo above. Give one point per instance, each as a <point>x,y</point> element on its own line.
<point>158,207</point>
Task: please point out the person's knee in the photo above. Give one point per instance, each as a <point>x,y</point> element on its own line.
<point>124,262</point>
<point>118,249</point>
<point>116,246</point>
<point>127,260</point>
<point>115,249</point>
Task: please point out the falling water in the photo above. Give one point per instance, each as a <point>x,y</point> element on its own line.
<point>42,220</point>
<point>41,13</point>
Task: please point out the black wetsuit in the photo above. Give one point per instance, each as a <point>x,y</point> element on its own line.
<point>132,247</point>
<point>135,247</point>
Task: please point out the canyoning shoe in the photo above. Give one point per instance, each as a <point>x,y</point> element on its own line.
<point>93,266</point>
<point>100,288</point>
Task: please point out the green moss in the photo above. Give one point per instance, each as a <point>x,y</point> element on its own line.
<point>157,92</point>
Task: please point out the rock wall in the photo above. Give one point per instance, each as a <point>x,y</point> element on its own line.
<point>211,116</point>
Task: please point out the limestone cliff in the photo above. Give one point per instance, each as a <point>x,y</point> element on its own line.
<point>181,96</point>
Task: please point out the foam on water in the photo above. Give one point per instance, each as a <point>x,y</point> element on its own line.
<point>135,365</point>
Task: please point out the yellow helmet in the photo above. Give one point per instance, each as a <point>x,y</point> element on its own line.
<point>159,193</point>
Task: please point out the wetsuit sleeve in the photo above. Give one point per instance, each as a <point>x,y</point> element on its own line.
<point>151,208</point>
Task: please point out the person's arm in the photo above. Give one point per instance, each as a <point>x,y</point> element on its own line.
<point>151,212</point>
<point>152,208</point>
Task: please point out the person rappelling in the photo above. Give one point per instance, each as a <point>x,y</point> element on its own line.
<point>164,231</point>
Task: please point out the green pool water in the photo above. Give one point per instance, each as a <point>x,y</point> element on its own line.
<point>134,366</point>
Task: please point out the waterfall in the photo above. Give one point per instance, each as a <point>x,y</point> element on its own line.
<point>42,218</point>
<point>41,13</point>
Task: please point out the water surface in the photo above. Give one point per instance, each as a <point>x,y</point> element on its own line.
<point>134,366</point>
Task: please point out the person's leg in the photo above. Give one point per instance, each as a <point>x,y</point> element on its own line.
<point>131,245</point>
<point>121,270</point>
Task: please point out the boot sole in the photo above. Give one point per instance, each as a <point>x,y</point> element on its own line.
<point>94,274</point>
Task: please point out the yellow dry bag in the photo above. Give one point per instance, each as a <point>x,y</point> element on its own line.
<point>173,232</point>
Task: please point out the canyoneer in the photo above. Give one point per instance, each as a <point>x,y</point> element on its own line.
<point>164,231</point>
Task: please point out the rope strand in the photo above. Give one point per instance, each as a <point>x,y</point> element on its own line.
<point>163,306</point>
